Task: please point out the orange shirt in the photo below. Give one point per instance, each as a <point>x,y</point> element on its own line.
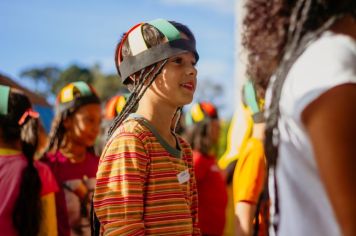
<point>250,172</point>
<point>249,179</point>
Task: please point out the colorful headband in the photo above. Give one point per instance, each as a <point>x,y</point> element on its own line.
<point>74,95</point>
<point>142,56</point>
<point>4,99</point>
<point>114,106</point>
<point>250,100</point>
<point>201,111</point>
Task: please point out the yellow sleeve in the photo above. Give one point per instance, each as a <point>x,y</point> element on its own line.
<point>249,173</point>
<point>48,226</point>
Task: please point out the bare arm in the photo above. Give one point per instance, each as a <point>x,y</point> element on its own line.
<point>331,124</point>
<point>48,225</point>
<point>245,213</point>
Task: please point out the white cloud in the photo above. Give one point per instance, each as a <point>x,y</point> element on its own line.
<point>224,6</point>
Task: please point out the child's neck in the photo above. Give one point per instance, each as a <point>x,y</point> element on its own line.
<point>160,118</point>
<point>73,151</point>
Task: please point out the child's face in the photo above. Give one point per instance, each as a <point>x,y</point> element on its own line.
<point>84,126</point>
<point>178,80</point>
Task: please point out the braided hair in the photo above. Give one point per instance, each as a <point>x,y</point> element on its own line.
<point>27,210</point>
<point>308,20</point>
<point>142,80</point>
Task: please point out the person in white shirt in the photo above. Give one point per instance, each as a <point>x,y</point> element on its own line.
<point>309,46</point>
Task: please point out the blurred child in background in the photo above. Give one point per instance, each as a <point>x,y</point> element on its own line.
<point>113,108</point>
<point>71,157</point>
<point>251,208</point>
<point>202,132</point>
<point>27,204</point>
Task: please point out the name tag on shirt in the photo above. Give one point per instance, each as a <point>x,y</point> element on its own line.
<point>183,176</point>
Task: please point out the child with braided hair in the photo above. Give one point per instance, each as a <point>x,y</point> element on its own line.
<point>310,48</point>
<point>70,155</point>
<point>145,181</point>
<point>27,187</point>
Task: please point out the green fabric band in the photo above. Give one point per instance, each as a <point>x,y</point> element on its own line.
<point>166,28</point>
<point>250,97</point>
<point>4,99</point>
<point>83,88</point>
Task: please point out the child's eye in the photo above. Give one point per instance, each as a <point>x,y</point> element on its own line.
<point>177,60</point>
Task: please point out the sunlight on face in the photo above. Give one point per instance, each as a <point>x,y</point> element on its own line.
<point>86,124</point>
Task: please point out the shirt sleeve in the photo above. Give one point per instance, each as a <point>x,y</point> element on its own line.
<point>118,199</point>
<point>307,80</point>
<point>48,181</point>
<point>48,225</point>
<point>250,173</point>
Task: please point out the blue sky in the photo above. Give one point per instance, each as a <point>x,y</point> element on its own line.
<point>40,32</point>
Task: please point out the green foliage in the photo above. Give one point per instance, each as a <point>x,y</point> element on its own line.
<point>53,79</point>
<point>224,127</point>
<point>45,76</point>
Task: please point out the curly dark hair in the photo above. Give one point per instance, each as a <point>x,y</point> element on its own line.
<point>269,25</point>
<point>276,33</point>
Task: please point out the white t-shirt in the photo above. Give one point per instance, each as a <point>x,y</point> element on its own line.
<point>304,205</point>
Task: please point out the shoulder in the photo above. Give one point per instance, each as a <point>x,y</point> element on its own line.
<point>131,128</point>
<point>131,136</point>
<point>330,53</point>
<point>328,62</point>
<point>48,180</point>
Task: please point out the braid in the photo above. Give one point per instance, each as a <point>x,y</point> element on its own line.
<point>56,134</point>
<point>27,211</point>
<point>295,48</point>
<point>131,102</point>
<point>297,43</point>
<point>26,215</point>
<point>177,116</point>
<point>139,91</point>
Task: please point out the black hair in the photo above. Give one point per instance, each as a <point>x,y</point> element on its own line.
<point>27,210</point>
<point>142,80</point>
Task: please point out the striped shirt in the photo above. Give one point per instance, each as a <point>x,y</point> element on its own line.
<point>141,187</point>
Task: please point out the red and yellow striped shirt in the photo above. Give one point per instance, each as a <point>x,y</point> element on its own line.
<point>138,191</point>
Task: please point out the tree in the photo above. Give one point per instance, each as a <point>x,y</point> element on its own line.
<point>46,76</point>
<point>71,74</point>
<point>106,85</point>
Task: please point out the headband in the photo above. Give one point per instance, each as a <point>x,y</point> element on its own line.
<point>200,112</point>
<point>68,98</point>
<point>4,99</point>
<point>114,106</point>
<point>142,56</point>
<point>250,100</point>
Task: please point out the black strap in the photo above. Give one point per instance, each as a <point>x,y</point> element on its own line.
<point>94,221</point>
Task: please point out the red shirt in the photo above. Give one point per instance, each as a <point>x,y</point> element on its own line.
<point>212,194</point>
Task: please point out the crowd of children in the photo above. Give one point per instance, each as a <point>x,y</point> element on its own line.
<point>143,165</point>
